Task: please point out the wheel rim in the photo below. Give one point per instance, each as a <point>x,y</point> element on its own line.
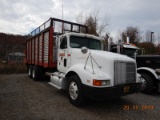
<point>144,84</point>
<point>29,72</point>
<point>73,90</point>
<point>33,73</point>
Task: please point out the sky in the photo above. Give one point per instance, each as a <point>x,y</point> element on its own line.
<point>22,16</point>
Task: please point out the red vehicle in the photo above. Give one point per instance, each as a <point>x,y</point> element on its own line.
<point>41,51</point>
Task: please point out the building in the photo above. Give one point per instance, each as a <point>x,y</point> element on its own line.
<point>15,57</point>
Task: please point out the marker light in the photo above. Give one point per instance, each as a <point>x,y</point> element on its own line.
<point>101,82</point>
<point>157,71</point>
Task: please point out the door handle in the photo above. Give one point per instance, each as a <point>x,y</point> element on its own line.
<point>65,62</point>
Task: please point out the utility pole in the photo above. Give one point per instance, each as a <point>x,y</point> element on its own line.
<point>62,19</point>
<point>151,36</point>
<point>151,42</point>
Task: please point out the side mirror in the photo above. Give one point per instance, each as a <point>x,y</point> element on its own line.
<point>63,46</point>
<point>84,50</point>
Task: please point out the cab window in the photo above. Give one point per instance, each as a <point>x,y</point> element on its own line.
<point>63,44</point>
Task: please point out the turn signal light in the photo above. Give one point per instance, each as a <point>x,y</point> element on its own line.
<point>101,82</point>
<point>97,83</point>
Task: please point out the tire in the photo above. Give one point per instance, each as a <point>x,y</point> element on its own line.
<point>147,84</point>
<point>156,87</point>
<point>36,73</point>
<point>75,92</point>
<point>30,71</point>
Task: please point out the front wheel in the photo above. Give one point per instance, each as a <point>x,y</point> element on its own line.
<point>75,92</point>
<point>147,84</point>
<point>156,87</point>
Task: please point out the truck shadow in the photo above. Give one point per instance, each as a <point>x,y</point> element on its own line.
<point>156,94</point>
<point>118,103</point>
<point>44,79</point>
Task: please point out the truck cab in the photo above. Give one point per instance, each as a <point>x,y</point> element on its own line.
<point>125,49</point>
<point>71,42</point>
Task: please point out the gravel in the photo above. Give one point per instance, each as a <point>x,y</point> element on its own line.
<point>23,98</point>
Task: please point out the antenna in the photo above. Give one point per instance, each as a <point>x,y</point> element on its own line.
<point>62,19</point>
<point>62,11</point>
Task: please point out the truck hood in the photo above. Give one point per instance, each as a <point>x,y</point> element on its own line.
<point>110,55</point>
<point>102,58</point>
<point>99,55</point>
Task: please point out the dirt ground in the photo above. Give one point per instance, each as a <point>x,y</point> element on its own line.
<point>22,98</point>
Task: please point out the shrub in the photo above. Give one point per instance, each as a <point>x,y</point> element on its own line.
<point>12,68</point>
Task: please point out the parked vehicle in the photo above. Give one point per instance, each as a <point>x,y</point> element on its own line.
<point>78,63</point>
<point>147,65</point>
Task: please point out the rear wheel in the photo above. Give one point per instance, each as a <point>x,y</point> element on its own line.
<point>37,72</point>
<point>147,84</point>
<point>30,71</point>
<point>34,73</point>
<point>75,93</point>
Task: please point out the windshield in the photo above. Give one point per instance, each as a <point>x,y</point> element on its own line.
<point>129,52</point>
<point>78,42</point>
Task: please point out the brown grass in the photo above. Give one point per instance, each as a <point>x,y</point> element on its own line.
<point>12,68</point>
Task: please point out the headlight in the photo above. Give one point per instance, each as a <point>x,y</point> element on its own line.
<point>101,82</point>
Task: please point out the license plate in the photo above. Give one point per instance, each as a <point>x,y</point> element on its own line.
<point>126,89</point>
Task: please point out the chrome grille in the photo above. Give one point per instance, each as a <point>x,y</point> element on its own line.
<point>125,73</point>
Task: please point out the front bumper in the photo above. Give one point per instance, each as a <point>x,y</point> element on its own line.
<point>110,92</point>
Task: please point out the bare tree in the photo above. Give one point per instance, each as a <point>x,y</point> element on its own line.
<point>11,43</point>
<point>119,35</point>
<point>158,38</point>
<point>149,36</point>
<point>80,18</point>
<point>149,48</point>
<point>95,25</point>
<point>133,33</point>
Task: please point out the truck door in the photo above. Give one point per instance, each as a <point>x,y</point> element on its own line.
<point>62,54</point>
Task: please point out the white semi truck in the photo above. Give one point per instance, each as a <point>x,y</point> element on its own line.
<point>81,66</point>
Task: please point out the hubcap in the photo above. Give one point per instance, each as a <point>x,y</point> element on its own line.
<point>144,84</point>
<point>29,71</point>
<point>73,90</point>
<point>33,73</point>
